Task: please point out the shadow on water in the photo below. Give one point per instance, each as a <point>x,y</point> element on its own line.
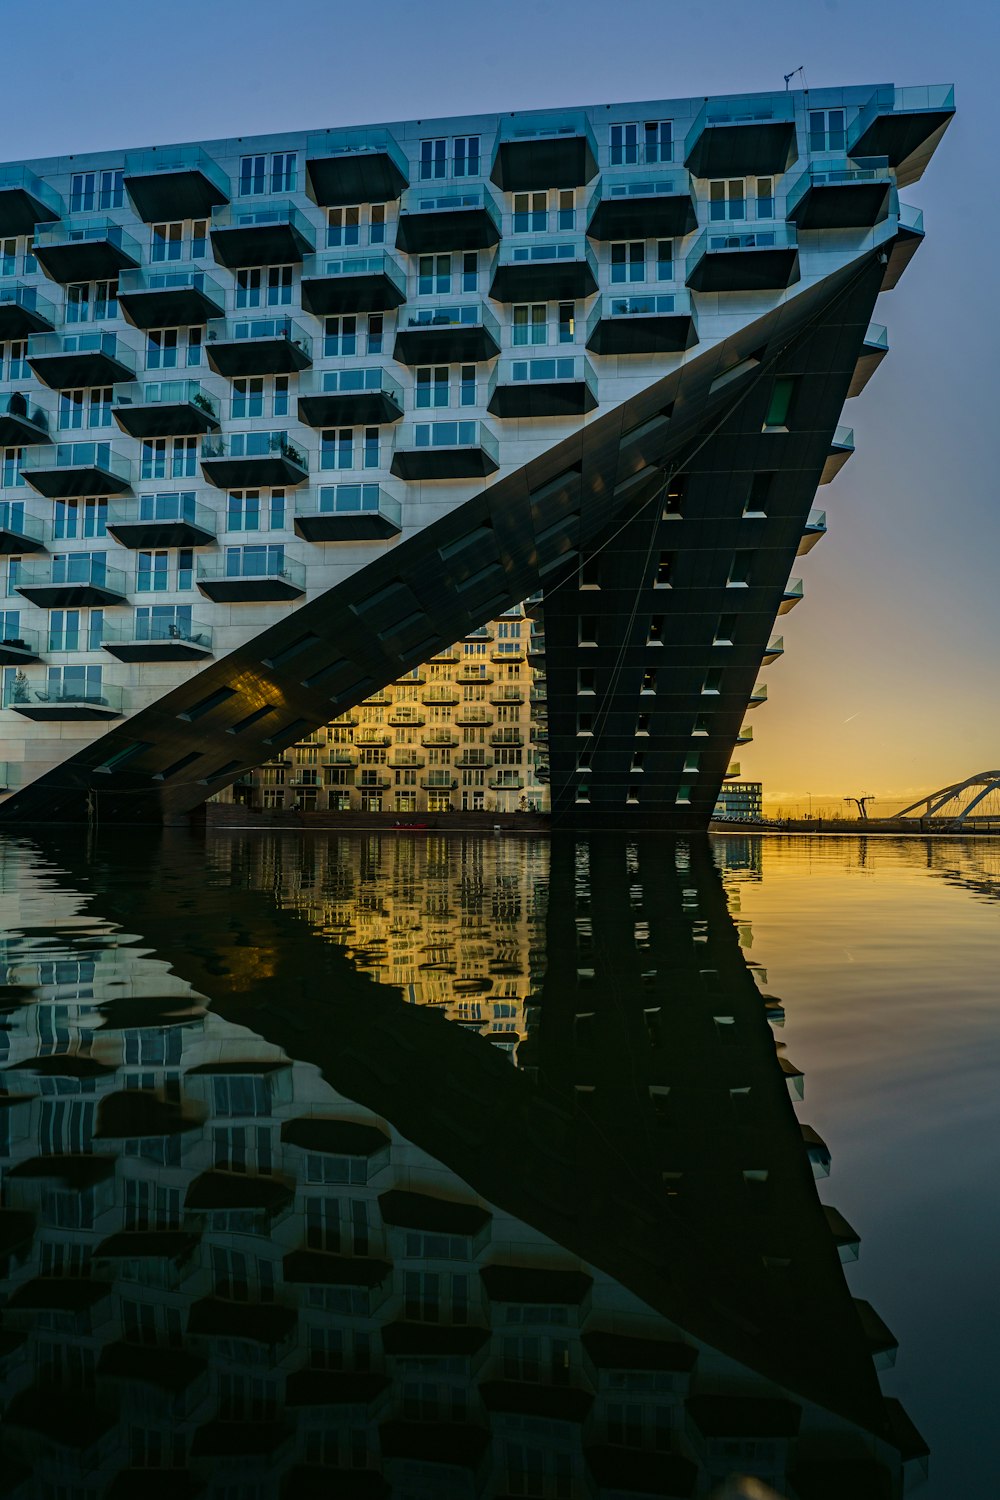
<point>377,1165</point>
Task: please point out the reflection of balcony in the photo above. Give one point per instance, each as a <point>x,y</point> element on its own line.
<point>65,700</point>
<point>439,781</point>
<point>21,424</point>
<point>542,386</point>
<point>504,783</point>
<point>163,633</point>
<point>257,346</point>
<point>544,151</point>
<point>169,299</point>
<point>747,136</point>
<point>473,715</point>
<point>76,469</point>
<point>248,460</point>
<point>725,259</point>
<point>625,208</point>
<point>163,408</point>
<point>19,533</point>
<point>815,528</point>
<point>71,360</point>
<point>348,513</point>
<point>25,200</point>
<point>85,249</point>
<point>71,580</point>
<point>445,450</point>
<point>446,334</point>
<point>355,166</point>
<point>791,594</point>
<point>841,195</point>
<point>175,182</point>
<point>350,397</point>
<point>873,351</point>
<point>278,235</point>
<point>841,449</point>
<point>336,282</point>
<point>544,268</point>
<point>252,575</point>
<point>904,125</point>
<point>464,219</point>
<point>23,311</point>
<point>641,323</point>
<point>170,520</point>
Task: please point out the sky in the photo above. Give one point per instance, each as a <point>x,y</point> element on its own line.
<point>889,680</point>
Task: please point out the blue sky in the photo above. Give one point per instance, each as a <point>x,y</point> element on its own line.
<point>889,679</point>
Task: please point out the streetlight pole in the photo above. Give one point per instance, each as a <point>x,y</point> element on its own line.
<point>810,796</point>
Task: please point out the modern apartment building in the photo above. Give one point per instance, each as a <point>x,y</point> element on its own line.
<point>282,417</point>
<point>742,800</point>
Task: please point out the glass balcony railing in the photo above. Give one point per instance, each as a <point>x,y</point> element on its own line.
<point>793,589</point>
<point>351,500</point>
<point>771,237</point>
<point>367,141</point>
<point>28,298</point>
<point>16,522</point>
<point>372,263</point>
<point>158,623</point>
<point>168,393</point>
<point>240,330</point>
<point>541,127</point>
<point>458,201</point>
<point>65,692</point>
<point>744,109</point>
<point>79,456</point>
<point>43,345</point>
<point>75,231</point>
<point>536,250</point>
<point>618,189</point>
<point>176,280</point>
<point>816,520</point>
<point>254,445</point>
<point>431,435</point>
<point>843,437</point>
<point>891,100</point>
<point>253,562</point>
<point>639,304</point>
<point>181,507</point>
<point>843,173</point>
<point>911,218</point>
<point>15,178</point>
<point>17,404</point>
<point>262,216</point>
<point>543,370</point>
<point>351,382</point>
<point>177,159</point>
<point>877,336</point>
<point>21,639</point>
<point>71,570</point>
<point>450,315</point>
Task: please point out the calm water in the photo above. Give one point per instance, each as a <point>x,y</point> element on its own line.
<point>365,1166</point>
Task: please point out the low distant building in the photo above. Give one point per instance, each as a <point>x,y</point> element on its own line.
<point>742,800</point>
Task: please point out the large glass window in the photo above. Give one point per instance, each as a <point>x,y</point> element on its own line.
<point>341,336</point>
<point>432,385</point>
<point>337,448</point>
<point>465,155</point>
<point>343,226</point>
<point>433,158</point>
<point>243,511</point>
<point>727,199</point>
<point>152,572</point>
<point>628,261</point>
<point>530,323</point>
<point>433,274</point>
<point>827,130</point>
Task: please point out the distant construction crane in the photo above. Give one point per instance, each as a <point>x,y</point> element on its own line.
<point>861,804</point>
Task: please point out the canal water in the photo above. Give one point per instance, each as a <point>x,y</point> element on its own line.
<point>417,1166</point>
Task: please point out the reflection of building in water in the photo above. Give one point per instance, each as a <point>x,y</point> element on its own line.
<point>455,923</point>
<point>464,732</point>
<point>398,1266</point>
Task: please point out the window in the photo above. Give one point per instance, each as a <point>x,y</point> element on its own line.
<point>343,226</point>
<point>470,271</point>
<point>90,190</point>
<point>727,199</point>
<point>643,142</point>
<point>79,518</point>
<point>75,629</point>
<point>273,173</point>
<point>166,241</point>
<point>648,683</point>
<point>91,301</point>
<point>161,349</point>
<point>341,336</point>
<point>780,403</point>
<point>739,569</point>
<point>588,630</point>
<point>465,155</point>
<point>337,448</point>
<point>10,468</point>
<point>664,570</point>
<point>567,322</point>
<point>725,631</point>
<point>248,396</point>
<point>654,633</point>
<point>530,212</point>
<point>764,207</point>
<point>586,680</point>
<point>713,681</point>
<point>376,325</point>
<point>376,224</point>
<point>243,510</point>
<point>433,274</point>
<point>827,130</point>
<point>432,385</point>
<point>467,385</point>
<point>433,158</point>
<point>757,498</point>
<point>674,495</point>
<point>152,570</point>
<point>590,571</point>
<point>628,261</point>
<point>530,323</point>
<point>664,260</point>
<point>279,286</point>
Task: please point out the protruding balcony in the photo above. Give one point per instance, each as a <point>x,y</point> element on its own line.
<point>348,513</point>
<point>630,207</point>
<point>76,469</point>
<point>65,700</point>
<point>642,323</point>
<point>174,182</point>
<point>791,594</point>
<point>85,249</point>
<point>355,166</point>
<point>350,397</point>
<point>873,352</point>
<point>546,268</point>
<point>744,260</point>
<point>168,520</point>
<point>252,575</point>
<point>904,125</point>
<point>165,408</point>
<point>20,647</point>
<point>257,346</point>
<point>25,200</point>
<point>841,195</point>
<point>21,422</point>
<point>775,651</point>
<point>845,1237</point>
<point>337,283</point>
<point>445,450</point>
<point>815,528</point>
<point>446,334</point>
<point>23,311</point>
<point>66,361</point>
<point>902,249</point>
<point>277,235</point>
<point>758,696</point>
<point>169,299</point>
<point>465,219</point>
<point>841,449</point>
<point>746,136</point>
<point>544,151</point>
<point>251,460</point>
<point>158,633</point>
<point>19,533</point>
<point>543,386</point>
<point>881,1341</point>
<point>74,579</point>
<point>745,735</point>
